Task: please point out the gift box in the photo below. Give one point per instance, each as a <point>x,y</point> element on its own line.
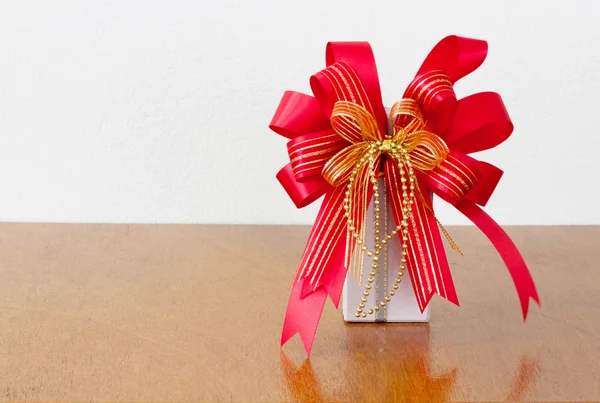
<point>378,172</point>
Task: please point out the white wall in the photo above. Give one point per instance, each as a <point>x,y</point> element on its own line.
<point>157,111</point>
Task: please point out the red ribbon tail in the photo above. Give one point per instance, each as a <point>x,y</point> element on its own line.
<point>307,300</point>
<point>303,314</point>
<point>447,289</point>
<point>508,251</point>
<point>427,264</point>
<point>335,275</point>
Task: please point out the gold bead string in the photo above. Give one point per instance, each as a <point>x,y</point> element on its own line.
<point>377,272</point>
<point>403,160</point>
<point>385,250</point>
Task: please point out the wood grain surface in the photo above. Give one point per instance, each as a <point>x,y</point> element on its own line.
<point>148,313</point>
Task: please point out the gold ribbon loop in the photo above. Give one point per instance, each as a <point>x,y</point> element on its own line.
<point>426,149</point>
<point>337,170</point>
<point>406,118</point>
<point>351,121</point>
<point>429,152</point>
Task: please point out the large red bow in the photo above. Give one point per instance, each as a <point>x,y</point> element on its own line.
<point>332,135</point>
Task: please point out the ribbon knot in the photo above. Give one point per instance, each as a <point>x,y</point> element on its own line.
<point>386,146</point>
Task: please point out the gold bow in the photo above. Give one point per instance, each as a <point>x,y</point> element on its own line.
<point>409,141</point>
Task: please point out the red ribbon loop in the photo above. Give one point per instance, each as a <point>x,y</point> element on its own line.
<point>454,178</point>
<point>456,55</point>
<point>298,114</point>
<point>309,153</point>
<point>360,56</point>
<point>485,186</point>
<point>481,122</point>
<point>302,194</point>
<point>434,92</point>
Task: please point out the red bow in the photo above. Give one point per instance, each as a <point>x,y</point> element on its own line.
<point>332,135</point>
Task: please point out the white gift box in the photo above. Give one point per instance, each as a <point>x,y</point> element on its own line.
<point>403,305</point>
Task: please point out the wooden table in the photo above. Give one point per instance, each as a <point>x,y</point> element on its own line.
<point>194,312</point>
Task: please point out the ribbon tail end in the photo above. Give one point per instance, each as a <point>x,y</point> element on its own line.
<point>450,293</point>
<point>454,301</point>
<point>334,282</point>
<point>303,314</point>
<point>307,342</point>
<point>525,303</point>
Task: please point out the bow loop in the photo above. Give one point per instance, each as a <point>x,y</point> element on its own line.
<point>406,117</point>
<point>434,93</point>
<point>430,151</point>
<point>338,169</point>
<point>426,150</point>
<point>352,121</point>
<point>309,153</point>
